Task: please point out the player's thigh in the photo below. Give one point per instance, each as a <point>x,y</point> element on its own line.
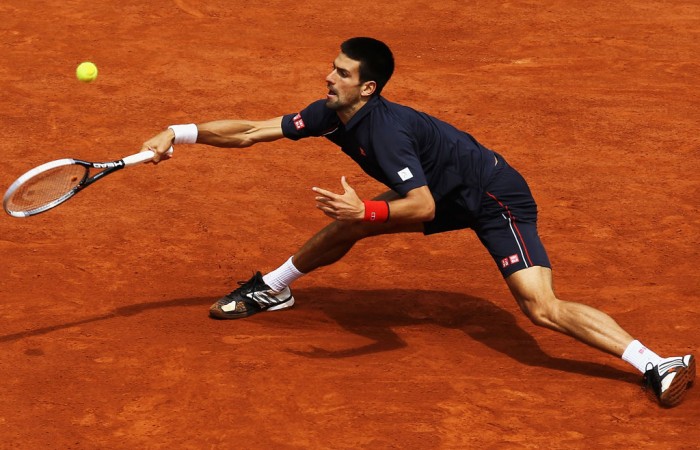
<point>531,283</point>
<point>532,289</point>
<point>507,224</point>
<point>513,245</point>
<point>373,229</point>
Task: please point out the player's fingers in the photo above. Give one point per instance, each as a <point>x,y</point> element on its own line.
<point>325,193</point>
<point>346,185</point>
<point>160,153</point>
<point>156,156</point>
<point>167,153</point>
<point>327,211</point>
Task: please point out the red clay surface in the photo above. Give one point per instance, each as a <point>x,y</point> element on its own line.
<point>408,342</point>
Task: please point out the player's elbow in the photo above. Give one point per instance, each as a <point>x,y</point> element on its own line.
<point>242,142</point>
<point>428,212</point>
<point>424,211</point>
<point>423,204</point>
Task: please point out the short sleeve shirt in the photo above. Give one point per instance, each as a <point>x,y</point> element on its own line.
<point>402,148</point>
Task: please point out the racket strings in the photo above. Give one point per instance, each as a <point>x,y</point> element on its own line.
<point>46,187</point>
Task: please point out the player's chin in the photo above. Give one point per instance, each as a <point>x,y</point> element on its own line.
<point>332,102</point>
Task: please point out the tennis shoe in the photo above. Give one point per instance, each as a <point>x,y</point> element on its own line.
<point>671,379</point>
<point>252,297</point>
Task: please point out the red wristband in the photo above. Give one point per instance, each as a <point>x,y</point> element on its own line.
<point>376,211</point>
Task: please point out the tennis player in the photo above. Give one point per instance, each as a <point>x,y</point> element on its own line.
<point>439,179</point>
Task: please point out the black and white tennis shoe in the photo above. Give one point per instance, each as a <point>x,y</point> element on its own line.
<point>253,296</point>
<point>671,379</point>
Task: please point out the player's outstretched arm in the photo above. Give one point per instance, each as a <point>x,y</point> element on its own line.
<point>239,133</point>
<point>219,133</point>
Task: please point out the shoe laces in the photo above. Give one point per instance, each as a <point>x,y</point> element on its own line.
<point>246,286</point>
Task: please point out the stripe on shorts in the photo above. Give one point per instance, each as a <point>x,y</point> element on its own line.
<point>514,231</point>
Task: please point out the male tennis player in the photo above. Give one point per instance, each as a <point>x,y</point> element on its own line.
<point>439,179</point>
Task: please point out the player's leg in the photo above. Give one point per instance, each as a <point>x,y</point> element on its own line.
<point>337,238</point>
<point>508,229</point>
<point>532,289</point>
<point>668,378</point>
<point>271,292</point>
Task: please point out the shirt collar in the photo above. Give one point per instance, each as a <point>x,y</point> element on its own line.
<point>362,112</point>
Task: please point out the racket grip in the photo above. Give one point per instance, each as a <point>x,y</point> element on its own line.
<point>142,157</point>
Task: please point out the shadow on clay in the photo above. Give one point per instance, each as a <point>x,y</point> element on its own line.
<point>373,314</point>
<point>123,311</point>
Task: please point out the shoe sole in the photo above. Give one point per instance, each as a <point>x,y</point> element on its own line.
<point>684,380</point>
<point>219,314</point>
<point>287,304</point>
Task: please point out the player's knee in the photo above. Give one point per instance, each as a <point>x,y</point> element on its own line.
<point>350,231</point>
<point>541,310</point>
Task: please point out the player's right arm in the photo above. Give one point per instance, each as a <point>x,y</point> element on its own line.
<point>239,133</point>
<point>222,133</point>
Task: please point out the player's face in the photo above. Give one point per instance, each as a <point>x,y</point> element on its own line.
<point>344,87</point>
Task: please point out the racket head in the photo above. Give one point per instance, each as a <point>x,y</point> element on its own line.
<point>44,187</point>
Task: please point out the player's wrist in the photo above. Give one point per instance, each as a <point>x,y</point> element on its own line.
<point>184,134</point>
<point>376,211</point>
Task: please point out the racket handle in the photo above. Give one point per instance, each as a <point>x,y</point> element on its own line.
<point>142,157</point>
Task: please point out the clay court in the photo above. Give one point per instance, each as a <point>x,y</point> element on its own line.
<point>407,343</point>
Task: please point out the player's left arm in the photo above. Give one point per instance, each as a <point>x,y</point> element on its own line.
<point>416,206</point>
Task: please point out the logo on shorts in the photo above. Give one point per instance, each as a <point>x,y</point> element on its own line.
<point>405,174</point>
<point>512,259</point>
<point>298,122</point>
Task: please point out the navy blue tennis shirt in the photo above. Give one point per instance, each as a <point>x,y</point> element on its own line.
<point>403,149</point>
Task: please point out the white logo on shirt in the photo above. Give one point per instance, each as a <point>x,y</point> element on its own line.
<point>405,174</point>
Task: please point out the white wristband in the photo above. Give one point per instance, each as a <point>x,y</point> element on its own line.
<point>185,134</point>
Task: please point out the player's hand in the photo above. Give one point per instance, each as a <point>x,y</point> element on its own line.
<point>346,206</point>
<point>160,144</point>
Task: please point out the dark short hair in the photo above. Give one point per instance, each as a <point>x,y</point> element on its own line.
<point>375,57</point>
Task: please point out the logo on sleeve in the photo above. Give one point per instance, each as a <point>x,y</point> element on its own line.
<point>405,174</point>
<point>298,122</point>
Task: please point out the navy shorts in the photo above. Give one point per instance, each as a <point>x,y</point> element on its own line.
<point>506,223</point>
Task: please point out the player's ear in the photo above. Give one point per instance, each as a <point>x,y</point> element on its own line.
<point>368,88</point>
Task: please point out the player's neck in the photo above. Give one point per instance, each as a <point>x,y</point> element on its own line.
<point>349,112</point>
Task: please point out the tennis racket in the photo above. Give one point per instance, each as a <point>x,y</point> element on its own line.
<point>50,184</point>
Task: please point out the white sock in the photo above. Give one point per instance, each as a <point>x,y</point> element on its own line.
<point>640,356</point>
<point>283,276</point>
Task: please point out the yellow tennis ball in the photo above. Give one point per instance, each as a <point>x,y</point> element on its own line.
<point>86,72</point>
